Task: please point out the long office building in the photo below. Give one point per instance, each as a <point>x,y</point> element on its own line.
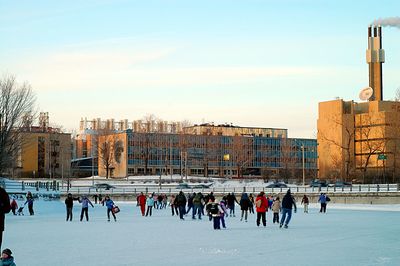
<point>129,153</point>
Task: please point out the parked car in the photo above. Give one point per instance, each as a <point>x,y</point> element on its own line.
<point>183,186</point>
<point>318,183</point>
<point>103,186</point>
<point>341,184</point>
<point>277,185</point>
<point>202,185</point>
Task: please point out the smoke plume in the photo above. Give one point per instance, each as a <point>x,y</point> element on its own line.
<point>388,22</point>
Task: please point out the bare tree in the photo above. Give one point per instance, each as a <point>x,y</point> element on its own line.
<point>397,95</point>
<point>371,142</point>
<point>110,150</point>
<point>241,153</point>
<point>288,160</point>
<point>16,104</point>
<point>345,145</point>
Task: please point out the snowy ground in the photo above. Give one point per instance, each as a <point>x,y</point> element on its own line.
<point>346,235</point>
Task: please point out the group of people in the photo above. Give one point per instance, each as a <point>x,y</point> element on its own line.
<point>85,201</point>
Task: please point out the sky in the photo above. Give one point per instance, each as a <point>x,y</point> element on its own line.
<point>251,63</point>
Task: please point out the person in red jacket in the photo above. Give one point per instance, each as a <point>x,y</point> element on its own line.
<point>261,208</point>
<point>141,200</point>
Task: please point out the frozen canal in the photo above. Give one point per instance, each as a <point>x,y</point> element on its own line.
<point>353,235</point>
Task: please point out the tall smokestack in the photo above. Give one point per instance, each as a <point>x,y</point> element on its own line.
<point>375,58</point>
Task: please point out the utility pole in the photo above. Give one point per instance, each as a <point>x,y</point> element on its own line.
<point>304,170</point>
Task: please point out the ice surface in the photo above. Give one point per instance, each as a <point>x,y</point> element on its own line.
<point>345,235</point>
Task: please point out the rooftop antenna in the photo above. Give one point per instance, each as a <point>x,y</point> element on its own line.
<point>366,94</point>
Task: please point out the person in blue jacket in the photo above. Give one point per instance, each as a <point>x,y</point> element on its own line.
<point>150,204</point>
<point>110,205</point>
<point>6,258</point>
<point>85,207</point>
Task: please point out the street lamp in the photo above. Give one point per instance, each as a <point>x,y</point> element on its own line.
<point>303,161</point>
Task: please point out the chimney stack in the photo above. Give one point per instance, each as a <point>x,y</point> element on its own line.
<point>375,58</point>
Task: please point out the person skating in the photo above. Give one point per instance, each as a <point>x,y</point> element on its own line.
<point>230,200</point>
<point>197,205</point>
<point>190,202</point>
<point>6,258</point>
<point>215,212</point>
<point>222,203</point>
<point>29,201</point>
<point>305,201</point>
<point>69,204</point>
<point>244,206</point>
<point>323,199</point>
<point>85,207</point>
<point>174,209</point>
<point>110,205</point>
<point>251,208</point>
<point>150,204</point>
<point>141,201</point>
<point>288,203</point>
<point>14,206</point>
<point>181,203</point>
<point>261,208</point>
<point>5,208</point>
<point>276,208</point>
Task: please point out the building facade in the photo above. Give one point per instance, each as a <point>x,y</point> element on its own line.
<point>45,152</point>
<point>359,140</point>
<point>205,155</point>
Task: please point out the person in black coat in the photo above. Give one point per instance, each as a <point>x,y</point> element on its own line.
<point>288,202</point>
<point>69,204</point>
<point>4,208</point>
<point>181,203</point>
<point>244,205</point>
<point>230,200</point>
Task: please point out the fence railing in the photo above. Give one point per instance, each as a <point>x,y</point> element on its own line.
<point>57,186</point>
<point>132,189</point>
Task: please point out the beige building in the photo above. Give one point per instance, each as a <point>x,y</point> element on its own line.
<point>359,140</point>
<point>44,153</point>
<point>230,130</point>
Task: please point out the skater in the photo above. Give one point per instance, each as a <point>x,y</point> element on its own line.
<point>276,208</point>
<point>150,204</point>
<point>5,208</point>
<point>231,199</point>
<point>101,199</point>
<point>110,205</point>
<point>251,208</point>
<point>288,203</point>
<point>323,199</point>
<point>6,258</point>
<point>69,204</point>
<point>29,200</point>
<point>305,201</point>
<point>14,206</point>
<point>244,206</point>
<point>197,205</point>
<point>261,208</point>
<point>181,203</point>
<point>270,201</point>
<point>141,201</point>
<point>222,203</point>
<point>190,202</point>
<point>215,212</point>
<point>95,198</point>
<point>85,207</point>
<point>173,206</point>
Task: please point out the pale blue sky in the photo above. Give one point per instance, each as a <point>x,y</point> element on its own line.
<point>250,63</point>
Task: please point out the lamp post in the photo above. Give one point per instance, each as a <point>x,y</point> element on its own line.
<point>303,160</point>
